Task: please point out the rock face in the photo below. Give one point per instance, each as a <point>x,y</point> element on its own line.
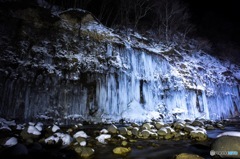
<point>68,66</point>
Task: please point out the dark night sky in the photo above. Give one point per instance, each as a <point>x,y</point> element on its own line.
<point>217,20</point>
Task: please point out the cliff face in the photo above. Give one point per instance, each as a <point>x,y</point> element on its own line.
<point>68,66</point>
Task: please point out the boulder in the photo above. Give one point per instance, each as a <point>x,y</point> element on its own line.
<point>123,131</point>
<point>159,125</point>
<point>121,150</point>
<point>30,132</point>
<point>146,134</point>
<point>178,125</point>
<point>9,142</point>
<point>189,128</point>
<point>209,127</point>
<point>84,152</point>
<point>112,129</point>
<point>227,145</point>
<point>188,156</point>
<point>147,126</point>
<point>103,137</point>
<point>162,132</point>
<point>135,131</point>
<point>198,135</point>
<point>220,126</point>
<point>197,123</point>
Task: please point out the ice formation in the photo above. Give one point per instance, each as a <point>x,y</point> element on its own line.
<point>116,79</point>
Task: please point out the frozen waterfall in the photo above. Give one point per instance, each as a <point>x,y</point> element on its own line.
<point>138,86</point>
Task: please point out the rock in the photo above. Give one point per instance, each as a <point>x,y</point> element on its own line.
<point>170,130</point>
<point>166,132</point>
<point>135,131</point>
<point>59,138</point>
<point>228,144</point>
<point>197,123</point>
<point>55,128</point>
<point>121,150</point>
<point>112,129</point>
<point>179,135</point>
<point>168,136</point>
<point>84,152</point>
<point>145,134</point>
<point>131,140</point>
<point>80,134</point>
<point>134,124</point>
<point>147,126</point>
<point>124,143</point>
<point>35,147</point>
<point>9,142</point>
<point>87,152</point>
<point>159,125</point>
<point>30,132</point>
<point>198,135</point>
<point>122,131</point>
<point>220,126</point>
<point>189,128</point>
<point>162,132</point>
<point>104,131</point>
<point>17,150</point>
<point>103,137</point>
<point>39,126</point>
<point>178,125</point>
<point>188,156</point>
<point>122,137</point>
<point>70,130</point>
<point>155,135</point>
<point>81,141</point>
<point>129,133</point>
<point>209,127</point>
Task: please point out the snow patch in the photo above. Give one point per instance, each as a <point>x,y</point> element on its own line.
<point>55,128</point>
<point>230,133</point>
<point>103,137</point>
<point>11,142</point>
<point>33,130</point>
<point>80,134</point>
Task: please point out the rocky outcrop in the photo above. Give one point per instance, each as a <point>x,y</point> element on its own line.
<point>68,66</point>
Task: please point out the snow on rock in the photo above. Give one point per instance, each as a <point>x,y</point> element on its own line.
<point>5,127</point>
<point>39,126</point>
<point>20,127</point>
<point>80,134</point>
<point>104,131</point>
<point>33,130</point>
<point>6,122</point>
<point>83,143</point>
<point>55,128</point>
<point>103,137</point>
<point>65,138</point>
<point>11,142</point>
<point>230,133</point>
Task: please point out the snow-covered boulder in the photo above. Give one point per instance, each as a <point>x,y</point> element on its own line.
<point>226,145</point>
<point>198,135</point>
<point>59,138</point>
<point>103,137</point>
<point>30,132</point>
